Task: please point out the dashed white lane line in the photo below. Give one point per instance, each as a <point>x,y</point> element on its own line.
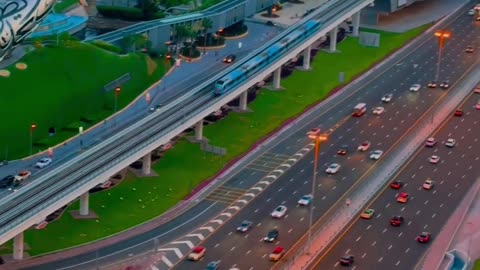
<point>400,234</point>
<point>407,250</point>
<point>390,247</point>
<point>398,262</point>
<point>368,227</point>
<point>358,239</point>
<point>381,259</point>
<point>374,242</point>
<point>364,254</point>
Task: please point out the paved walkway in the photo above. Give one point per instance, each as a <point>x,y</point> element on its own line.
<point>418,14</point>
<point>290,13</point>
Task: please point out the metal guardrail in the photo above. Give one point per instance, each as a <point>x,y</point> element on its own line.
<point>73,176</point>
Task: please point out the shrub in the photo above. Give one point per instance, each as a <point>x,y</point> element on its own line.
<point>124,13</point>
<point>235,29</point>
<point>185,51</point>
<point>107,46</point>
<point>212,40</point>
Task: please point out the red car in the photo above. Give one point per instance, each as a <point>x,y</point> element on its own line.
<point>396,221</point>
<point>424,237</point>
<point>402,197</point>
<point>458,112</point>
<point>396,184</point>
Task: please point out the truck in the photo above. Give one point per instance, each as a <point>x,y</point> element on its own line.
<point>359,109</point>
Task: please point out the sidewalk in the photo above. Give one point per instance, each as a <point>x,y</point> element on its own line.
<point>290,13</point>
<point>467,237</point>
<point>418,14</point>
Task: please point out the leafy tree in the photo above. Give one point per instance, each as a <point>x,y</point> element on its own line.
<point>148,7</point>
<point>206,25</point>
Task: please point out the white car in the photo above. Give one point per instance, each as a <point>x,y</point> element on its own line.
<point>430,142</point>
<point>387,98</point>
<point>279,212</point>
<point>364,146</point>
<point>428,184</point>
<point>44,162</point>
<point>450,142</point>
<point>471,12</point>
<point>23,175</point>
<point>375,155</point>
<point>333,168</point>
<point>305,200</point>
<point>378,110</point>
<point>415,87</point>
<point>434,159</point>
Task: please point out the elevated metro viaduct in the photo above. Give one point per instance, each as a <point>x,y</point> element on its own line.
<point>145,154</point>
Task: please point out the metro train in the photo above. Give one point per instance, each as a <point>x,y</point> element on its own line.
<point>225,83</point>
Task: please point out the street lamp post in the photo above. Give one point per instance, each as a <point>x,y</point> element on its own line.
<point>442,35</point>
<point>117,92</point>
<point>32,128</point>
<point>317,139</point>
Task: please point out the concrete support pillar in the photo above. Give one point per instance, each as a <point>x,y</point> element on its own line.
<point>356,23</point>
<point>199,130</point>
<point>333,39</point>
<point>84,204</point>
<point>276,78</point>
<point>18,246</point>
<point>243,101</point>
<point>147,164</point>
<point>306,58</point>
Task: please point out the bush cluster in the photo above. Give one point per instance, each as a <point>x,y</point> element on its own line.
<point>124,13</point>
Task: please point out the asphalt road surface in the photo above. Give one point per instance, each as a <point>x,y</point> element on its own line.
<point>383,131</point>
<point>378,245</point>
<point>246,250</point>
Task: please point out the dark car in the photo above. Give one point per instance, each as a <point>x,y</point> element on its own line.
<point>347,260</point>
<point>7,181</point>
<point>432,84</point>
<point>229,58</point>
<point>445,85</point>
<point>424,237</point>
<point>396,221</point>
<point>458,112</point>
<point>343,150</point>
<point>396,184</point>
<point>271,236</point>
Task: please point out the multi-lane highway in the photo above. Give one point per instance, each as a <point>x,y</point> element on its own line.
<point>377,244</point>
<point>246,250</point>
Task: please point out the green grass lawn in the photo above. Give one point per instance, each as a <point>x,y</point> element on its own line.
<point>63,5</point>
<point>144,199</point>
<point>61,86</point>
<point>476,266</point>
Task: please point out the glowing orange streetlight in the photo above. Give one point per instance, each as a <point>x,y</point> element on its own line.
<point>317,140</point>
<point>441,35</point>
<point>33,126</point>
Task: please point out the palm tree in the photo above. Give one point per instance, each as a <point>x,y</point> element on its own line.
<point>206,25</point>
<point>181,32</point>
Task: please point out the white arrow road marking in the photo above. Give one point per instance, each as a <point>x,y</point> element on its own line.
<point>176,250</point>
<point>279,171</point>
<point>292,159</point>
<point>299,154</point>
<point>209,228</point>
<point>257,188</point>
<point>234,207</point>
<point>199,235</point>
<point>264,182</point>
<point>286,165</point>
<point>188,243</point>
<point>272,176</point>
<point>219,221</point>
<point>242,201</point>
<point>249,195</point>
<point>167,261</point>
<point>225,214</point>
